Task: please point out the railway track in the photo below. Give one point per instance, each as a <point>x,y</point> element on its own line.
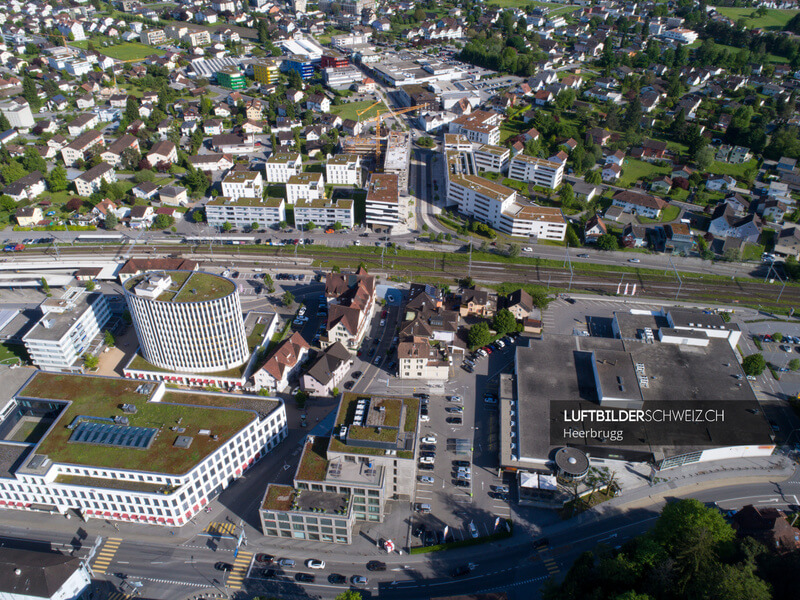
<point>445,266</point>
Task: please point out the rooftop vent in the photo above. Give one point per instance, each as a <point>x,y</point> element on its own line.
<point>129,409</point>
<point>183,441</point>
<point>204,432</point>
<point>121,420</point>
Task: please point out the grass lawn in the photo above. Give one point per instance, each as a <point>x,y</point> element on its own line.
<point>735,171</point>
<point>9,351</point>
<point>518,3</point>
<point>670,213</point>
<point>769,57</point>
<point>124,51</point>
<point>774,19</point>
<point>752,252</point>
<point>349,110</point>
<point>633,170</point>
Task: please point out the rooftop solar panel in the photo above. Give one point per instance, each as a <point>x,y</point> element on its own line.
<point>113,435</point>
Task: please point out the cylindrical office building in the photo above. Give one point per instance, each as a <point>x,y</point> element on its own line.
<point>187,321</point>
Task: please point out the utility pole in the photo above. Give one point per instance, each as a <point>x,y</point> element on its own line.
<point>470,258</point>
<point>680,281</point>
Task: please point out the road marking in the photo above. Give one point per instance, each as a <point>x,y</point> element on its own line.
<point>240,567</point>
<point>173,582</point>
<point>220,528</point>
<point>106,555</point>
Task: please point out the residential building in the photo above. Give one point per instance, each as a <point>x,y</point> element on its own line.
<point>643,205</point>
<point>281,166</point>
<point>519,303</point>
<point>327,371</point>
<point>384,206</point>
<point>396,159</point>
<point>78,148</point>
<point>115,472</point>
<point>67,329</point>
<point>211,162</point>
<point>188,322</point>
<point>237,184</point>
<point>90,182</point>
<point>162,151</point>
<point>533,221</point>
<point>594,229</point>
<point>18,112</point>
<point>788,242</point>
<point>231,78</point>
<point>344,169</point>
<point>318,103</point>
<point>265,72</point>
<point>419,359</point>
<point>725,223</point>
<point>679,239</point>
<point>28,216</point>
<point>153,37</point>
<point>305,186</point>
<point>113,154</point>
<point>282,364</point>
<point>141,217</point>
<point>720,183</point>
<point>476,303</point>
<point>43,575</point>
<point>680,34</point>
<point>480,127</point>
<point>351,304</point>
<point>242,212</point>
<point>324,213</point>
<point>341,77</point>
<point>545,173</point>
<point>81,123</point>
<point>494,159</point>
<point>173,195</point>
<point>28,187</point>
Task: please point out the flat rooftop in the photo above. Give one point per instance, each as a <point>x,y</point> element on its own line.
<point>397,418</point>
<point>55,325</point>
<point>246,201</point>
<point>197,413</point>
<point>189,286</point>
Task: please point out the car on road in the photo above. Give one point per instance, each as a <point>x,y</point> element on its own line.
<point>428,439</point>
<point>383,322</point>
<point>358,580</point>
<point>751,377</point>
<point>583,255</point>
<point>304,577</point>
<point>264,558</point>
<point>425,479</point>
<point>223,566</point>
<point>634,260</point>
<point>337,579</point>
<point>315,563</point>
<point>473,531</point>
<point>286,562</point>
<point>455,420</point>
<point>527,249</point>
<point>377,360</point>
<point>376,565</point>
<point>461,571</point>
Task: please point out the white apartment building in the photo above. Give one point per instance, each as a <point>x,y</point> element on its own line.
<point>528,220</point>
<point>190,322</point>
<point>66,330</point>
<point>344,169</point>
<point>76,150</point>
<point>243,212</point>
<point>479,127</point>
<point>243,184</point>
<point>120,472</point>
<point>384,206</point>
<point>418,359</point>
<point>545,173</point>
<point>78,68</point>
<point>91,181</point>
<point>18,113</point>
<point>305,186</point>
<point>324,213</point>
<point>491,158</point>
<point>680,34</point>
<point>281,166</point>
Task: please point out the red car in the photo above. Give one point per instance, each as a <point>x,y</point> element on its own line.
<point>384,313</point>
<point>487,349</point>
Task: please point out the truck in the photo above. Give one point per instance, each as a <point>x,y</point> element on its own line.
<point>14,248</point>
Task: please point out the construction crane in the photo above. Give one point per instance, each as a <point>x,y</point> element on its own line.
<point>378,116</point>
<point>361,112</point>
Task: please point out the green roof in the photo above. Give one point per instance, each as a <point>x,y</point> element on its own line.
<point>139,363</point>
<point>104,397</point>
<point>190,286</point>
<point>278,497</point>
<point>313,464</point>
<point>245,201</point>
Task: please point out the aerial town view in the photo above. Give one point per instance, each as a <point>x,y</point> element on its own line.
<point>396,300</point>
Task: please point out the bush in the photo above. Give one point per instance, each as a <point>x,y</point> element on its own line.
<point>754,365</point>
<point>499,535</point>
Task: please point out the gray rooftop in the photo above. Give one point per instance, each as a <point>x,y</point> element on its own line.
<point>55,325</point>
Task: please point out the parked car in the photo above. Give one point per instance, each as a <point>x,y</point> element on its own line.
<point>455,410</point>
<point>426,460</point>
<point>425,479</point>
<point>461,463</point>
<point>473,531</point>
<point>425,467</point>
<point>455,420</point>
<point>428,439</point>
<point>461,483</point>
<point>499,488</point>
<point>456,399</point>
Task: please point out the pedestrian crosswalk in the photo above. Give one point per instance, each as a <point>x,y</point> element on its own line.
<point>549,563</point>
<point>119,596</point>
<point>106,555</point>
<point>220,528</point>
<point>239,571</point>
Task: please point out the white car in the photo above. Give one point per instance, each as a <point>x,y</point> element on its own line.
<point>527,249</point>
<point>302,311</point>
<point>425,479</point>
<point>429,439</point>
<point>424,418</point>
<point>633,260</point>
<point>751,377</point>
<point>456,399</point>
<point>473,531</point>
<point>426,460</point>
<point>315,563</point>
<point>383,322</point>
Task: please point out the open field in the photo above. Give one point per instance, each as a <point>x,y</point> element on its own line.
<point>123,51</point>
<point>774,19</point>
<point>349,110</point>
<point>633,170</point>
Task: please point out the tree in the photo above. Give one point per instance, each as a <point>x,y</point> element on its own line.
<point>593,177</point>
<point>90,362</point>
<point>349,594</point>
<point>226,227</point>
<point>479,335</point>
<point>197,215</point>
<point>12,170</point>
<point>607,242</point>
<point>45,286</point>
<point>287,298</point>
<point>704,158</point>
<point>163,221</point>
<point>4,124</point>
<point>108,339</point>
<point>268,283</point>
<point>310,225</point>
<point>110,221</point>
<point>777,336</point>
<point>513,250</point>
<point>504,322</point>
<point>754,364</point>
<point>74,204</point>
<point>90,286</point>
<point>794,364</point>
<point>30,93</point>
<point>33,161</point>
<point>567,195</point>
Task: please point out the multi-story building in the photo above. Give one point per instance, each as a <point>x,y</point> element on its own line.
<point>199,37</point>
<point>163,151</point>
<point>351,304</point>
<point>545,173</point>
<point>231,78</point>
<point>281,166</point>
<point>238,184</point>
<point>242,212</point>
<point>324,213</point>
<point>131,467</point>
<point>397,158</point>
<point>530,220</point>
<point>18,113</point>
<point>92,180</point>
<point>113,154</point>
<point>344,169</point>
<point>384,207</point>
<point>327,371</point>
<point>154,37</point>
<point>68,327</point>
<point>491,158</point>
<point>680,34</point>
<point>304,68</point>
<point>265,71</point>
<point>305,186</point>
<point>350,476</point>
<point>478,197</point>
<point>419,359</point>
<point>78,148</point>
<point>282,364</point>
<point>81,123</point>
<point>43,575</point>
<point>342,77</point>
<point>187,321</point>
<point>479,126</point>
<point>333,59</point>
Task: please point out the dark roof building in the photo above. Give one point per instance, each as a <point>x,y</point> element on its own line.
<point>30,574</point>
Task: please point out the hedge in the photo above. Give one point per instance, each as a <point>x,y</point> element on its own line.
<point>499,535</point>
